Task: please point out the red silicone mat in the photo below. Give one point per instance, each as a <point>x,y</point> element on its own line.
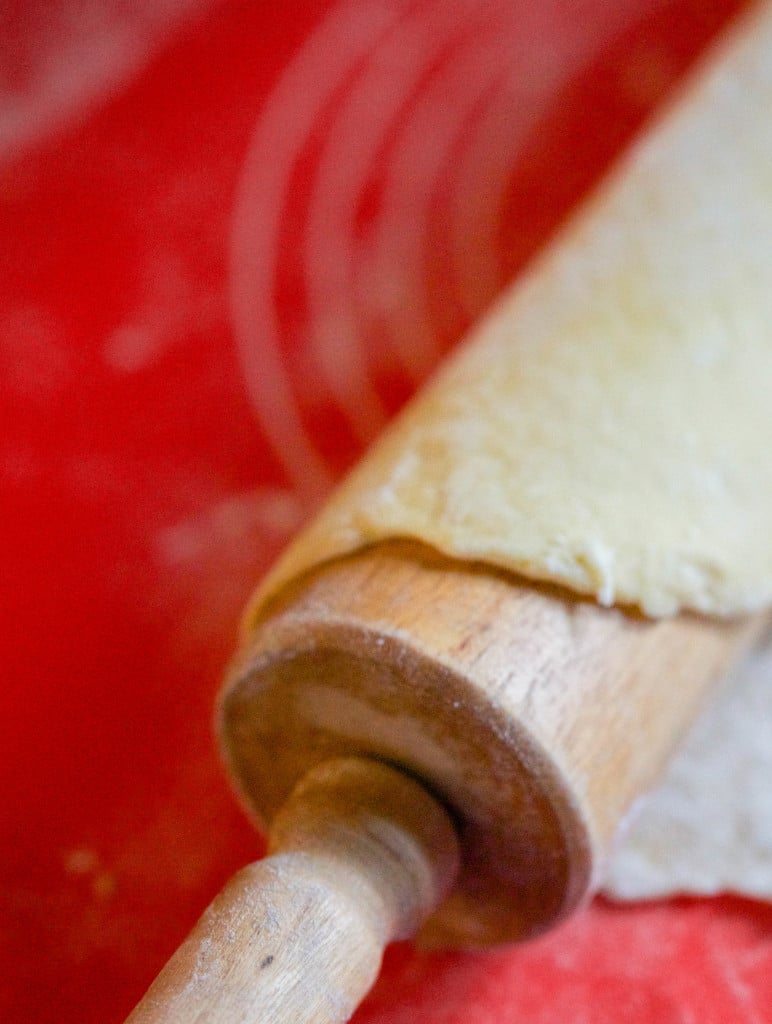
<point>235,237</point>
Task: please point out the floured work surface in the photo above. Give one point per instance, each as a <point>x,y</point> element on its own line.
<point>608,427</point>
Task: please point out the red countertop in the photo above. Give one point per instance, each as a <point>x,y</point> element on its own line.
<point>234,238</point>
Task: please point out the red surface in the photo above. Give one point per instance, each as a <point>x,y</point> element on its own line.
<point>198,201</point>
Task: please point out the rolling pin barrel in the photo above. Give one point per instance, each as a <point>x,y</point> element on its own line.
<point>436,748</point>
<point>536,716</point>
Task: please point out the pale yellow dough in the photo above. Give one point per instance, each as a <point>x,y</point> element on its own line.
<point>608,426</point>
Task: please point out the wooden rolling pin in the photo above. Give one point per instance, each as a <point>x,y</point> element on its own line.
<point>441,748</point>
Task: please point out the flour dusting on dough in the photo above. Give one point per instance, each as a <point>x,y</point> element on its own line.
<point>607,427</point>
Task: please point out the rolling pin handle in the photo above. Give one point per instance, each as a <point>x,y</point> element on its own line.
<point>359,855</point>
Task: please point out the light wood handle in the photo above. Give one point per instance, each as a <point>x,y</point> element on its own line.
<point>359,855</point>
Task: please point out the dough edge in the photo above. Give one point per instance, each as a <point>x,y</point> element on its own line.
<point>628,371</point>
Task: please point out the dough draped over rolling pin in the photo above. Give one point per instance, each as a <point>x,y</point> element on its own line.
<point>608,426</point>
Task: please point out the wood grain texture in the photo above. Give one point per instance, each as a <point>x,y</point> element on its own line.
<point>537,716</point>
<point>360,854</point>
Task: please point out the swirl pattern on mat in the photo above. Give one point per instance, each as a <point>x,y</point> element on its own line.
<point>368,222</point>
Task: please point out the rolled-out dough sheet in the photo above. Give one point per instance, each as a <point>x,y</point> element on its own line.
<point>708,827</point>
<point>608,426</point>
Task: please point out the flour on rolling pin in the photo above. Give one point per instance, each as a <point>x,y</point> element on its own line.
<point>608,426</point>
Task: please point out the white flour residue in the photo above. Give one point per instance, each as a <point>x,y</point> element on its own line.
<point>60,59</point>
<point>171,305</point>
<point>229,525</point>
<point>85,863</point>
